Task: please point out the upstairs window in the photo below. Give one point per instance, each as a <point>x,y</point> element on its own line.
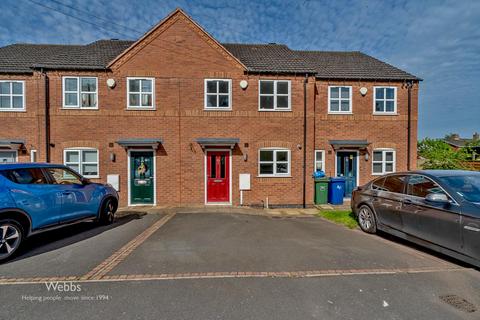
<point>385,100</point>
<point>383,161</point>
<point>274,162</point>
<point>340,99</point>
<point>274,95</point>
<point>12,95</point>
<point>218,94</point>
<point>140,93</point>
<point>80,92</point>
<point>83,161</point>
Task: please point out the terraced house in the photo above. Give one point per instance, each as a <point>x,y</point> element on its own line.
<point>177,118</point>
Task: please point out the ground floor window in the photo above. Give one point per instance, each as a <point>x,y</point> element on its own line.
<point>383,161</point>
<point>274,162</point>
<point>83,161</point>
<point>319,160</point>
<point>8,156</point>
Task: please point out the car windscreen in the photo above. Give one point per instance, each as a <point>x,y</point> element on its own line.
<point>467,186</point>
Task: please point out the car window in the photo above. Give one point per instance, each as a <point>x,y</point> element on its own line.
<point>64,176</point>
<point>421,186</point>
<point>378,184</point>
<point>25,176</point>
<point>394,183</point>
<point>467,186</point>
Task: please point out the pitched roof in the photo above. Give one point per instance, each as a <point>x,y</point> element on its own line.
<point>21,58</point>
<point>352,65</point>
<point>269,58</point>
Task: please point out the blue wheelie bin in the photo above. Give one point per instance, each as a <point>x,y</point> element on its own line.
<point>336,190</point>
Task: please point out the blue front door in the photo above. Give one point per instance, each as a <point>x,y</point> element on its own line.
<point>347,168</point>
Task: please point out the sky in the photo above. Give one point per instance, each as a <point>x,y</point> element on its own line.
<point>438,40</point>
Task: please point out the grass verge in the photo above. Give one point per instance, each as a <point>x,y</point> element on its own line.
<point>345,217</point>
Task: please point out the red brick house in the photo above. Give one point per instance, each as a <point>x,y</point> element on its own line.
<point>177,117</point>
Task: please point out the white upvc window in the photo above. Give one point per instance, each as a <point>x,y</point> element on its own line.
<point>12,95</point>
<point>8,156</point>
<point>385,100</point>
<point>383,161</point>
<point>33,155</point>
<point>340,99</point>
<point>140,93</point>
<point>273,162</point>
<point>218,94</point>
<point>80,92</point>
<point>319,161</point>
<point>274,95</point>
<point>82,160</point>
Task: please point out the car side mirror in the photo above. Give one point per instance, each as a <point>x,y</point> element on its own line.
<point>439,198</point>
<point>85,181</point>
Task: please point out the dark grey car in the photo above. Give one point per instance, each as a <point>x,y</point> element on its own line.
<point>439,209</point>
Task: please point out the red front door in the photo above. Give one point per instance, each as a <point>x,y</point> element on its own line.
<point>218,176</point>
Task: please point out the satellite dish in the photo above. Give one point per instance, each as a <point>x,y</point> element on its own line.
<point>111,83</point>
<point>363,91</point>
<point>244,84</point>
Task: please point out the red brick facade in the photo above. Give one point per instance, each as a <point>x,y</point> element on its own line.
<point>180,56</point>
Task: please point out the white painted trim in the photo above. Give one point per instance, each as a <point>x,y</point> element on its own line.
<point>230,100</point>
<point>315,159</point>
<point>358,162</point>
<point>33,154</point>
<point>129,202</point>
<point>79,93</point>
<point>275,175</point>
<point>383,150</point>
<point>275,109</point>
<point>153,107</point>
<point>80,149</point>
<point>24,96</point>
<point>339,101</point>
<point>10,151</point>
<point>384,113</point>
<point>205,176</point>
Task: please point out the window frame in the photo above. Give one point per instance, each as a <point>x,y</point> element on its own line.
<point>205,95</point>
<point>11,95</point>
<point>33,155</point>
<point>10,151</point>
<point>79,92</point>
<point>80,150</point>
<point>153,106</point>
<point>275,95</point>
<point>330,111</point>
<point>315,159</point>
<point>387,113</point>
<point>384,161</point>
<point>274,162</point>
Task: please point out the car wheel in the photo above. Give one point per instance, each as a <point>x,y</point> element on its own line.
<point>107,215</point>
<point>366,219</point>
<point>11,236</point>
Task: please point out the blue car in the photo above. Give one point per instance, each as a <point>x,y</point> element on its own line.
<point>38,197</point>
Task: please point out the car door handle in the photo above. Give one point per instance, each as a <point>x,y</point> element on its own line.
<point>471,228</point>
<point>407,201</point>
<point>66,193</point>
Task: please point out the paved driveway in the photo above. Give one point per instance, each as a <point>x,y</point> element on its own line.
<point>302,267</point>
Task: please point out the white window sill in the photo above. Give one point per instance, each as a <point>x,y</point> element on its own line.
<point>92,177</point>
<point>339,112</point>
<point>78,108</point>
<point>273,176</point>
<point>140,109</point>
<point>12,110</point>
<point>385,114</point>
<point>217,109</point>
<point>275,110</point>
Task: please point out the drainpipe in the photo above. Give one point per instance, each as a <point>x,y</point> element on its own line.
<point>409,126</point>
<point>305,140</point>
<point>47,116</point>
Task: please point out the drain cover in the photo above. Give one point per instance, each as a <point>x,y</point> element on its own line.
<point>458,302</point>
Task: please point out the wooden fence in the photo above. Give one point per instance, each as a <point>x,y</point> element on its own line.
<point>473,165</point>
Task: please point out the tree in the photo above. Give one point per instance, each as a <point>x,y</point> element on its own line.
<point>439,155</point>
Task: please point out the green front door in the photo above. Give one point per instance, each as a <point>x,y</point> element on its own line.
<point>141,177</point>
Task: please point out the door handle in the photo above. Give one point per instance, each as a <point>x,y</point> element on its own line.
<point>407,201</point>
<point>66,193</point>
<point>470,228</point>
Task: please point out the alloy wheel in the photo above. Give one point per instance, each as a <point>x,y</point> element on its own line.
<point>10,237</point>
<point>365,218</point>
